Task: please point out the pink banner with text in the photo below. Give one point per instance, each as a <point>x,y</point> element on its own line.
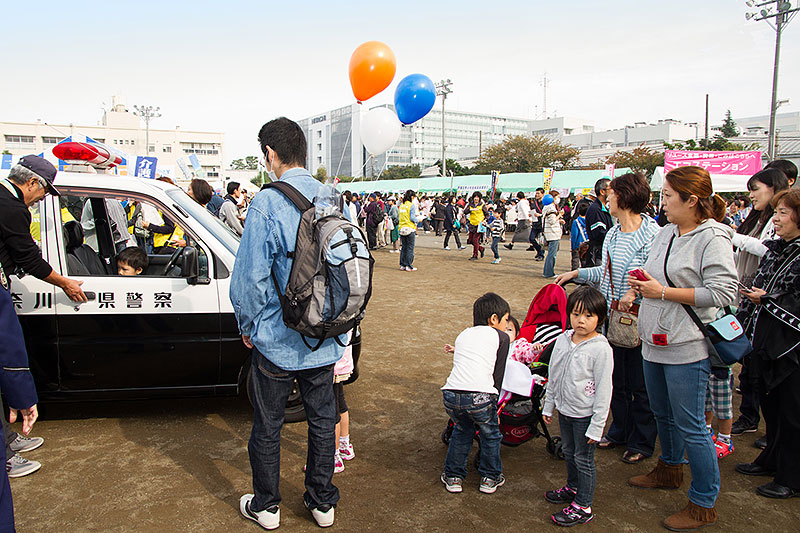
<point>736,163</point>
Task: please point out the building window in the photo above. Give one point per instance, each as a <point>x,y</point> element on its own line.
<point>319,134</point>
<point>133,142</point>
<point>20,139</point>
<point>151,148</point>
<point>319,146</point>
<point>52,140</point>
<point>167,149</point>
<point>319,160</point>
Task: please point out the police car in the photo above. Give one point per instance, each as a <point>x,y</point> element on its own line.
<point>169,331</point>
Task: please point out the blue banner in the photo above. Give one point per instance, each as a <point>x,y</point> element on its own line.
<point>194,161</point>
<point>146,167</point>
<point>5,163</point>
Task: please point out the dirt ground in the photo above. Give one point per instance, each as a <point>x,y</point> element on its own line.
<point>181,465</point>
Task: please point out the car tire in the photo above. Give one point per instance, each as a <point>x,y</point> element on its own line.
<point>295,410</point>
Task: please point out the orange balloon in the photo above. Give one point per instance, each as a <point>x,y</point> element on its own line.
<point>372,68</point>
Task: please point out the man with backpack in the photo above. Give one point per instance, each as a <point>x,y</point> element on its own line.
<point>282,355</point>
<point>229,212</point>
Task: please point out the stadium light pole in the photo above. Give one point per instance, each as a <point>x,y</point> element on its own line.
<point>783,12</point>
<point>148,113</point>
<point>443,89</point>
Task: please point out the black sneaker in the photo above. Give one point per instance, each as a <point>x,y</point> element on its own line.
<point>508,246</point>
<point>742,425</point>
<point>562,495</point>
<point>539,258</point>
<point>761,443</point>
<point>571,516</point>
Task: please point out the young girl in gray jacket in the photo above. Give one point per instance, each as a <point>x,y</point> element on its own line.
<point>581,367</point>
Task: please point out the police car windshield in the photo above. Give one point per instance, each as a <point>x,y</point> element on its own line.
<point>218,228</point>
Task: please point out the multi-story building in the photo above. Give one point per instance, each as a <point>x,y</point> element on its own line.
<point>122,130</point>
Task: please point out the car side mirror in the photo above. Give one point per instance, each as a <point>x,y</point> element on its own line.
<point>190,267</point>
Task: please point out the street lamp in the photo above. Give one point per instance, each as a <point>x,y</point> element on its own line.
<point>443,89</point>
<point>147,113</point>
<point>783,12</point>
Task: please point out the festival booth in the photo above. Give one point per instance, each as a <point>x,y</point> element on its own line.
<point>729,170</point>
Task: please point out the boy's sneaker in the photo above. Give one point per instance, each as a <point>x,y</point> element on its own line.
<point>338,464</point>
<point>268,518</point>
<point>24,444</point>
<point>562,495</point>
<point>489,485</point>
<point>496,261</point>
<point>572,516</point>
<point>18,466</point>
<point>323,515</point>
<point>452,484</point>
<point>724,448</point>
<point>347,453</point>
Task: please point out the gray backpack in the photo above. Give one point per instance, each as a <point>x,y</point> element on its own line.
<point>330,281</point>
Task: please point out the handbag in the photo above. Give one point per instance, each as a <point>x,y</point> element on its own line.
<point>623,326</point>
<point>389,223</point>
<point>724,336</point>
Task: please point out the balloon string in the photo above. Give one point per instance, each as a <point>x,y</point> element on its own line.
<point>364,166</point>
<point>344,149</point>
<point>385,162</point>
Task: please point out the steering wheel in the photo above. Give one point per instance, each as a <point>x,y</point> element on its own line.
<point>173,260</point>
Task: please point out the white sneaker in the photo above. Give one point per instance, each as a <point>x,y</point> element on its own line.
<point>338,464</point>
<point>446,247</point>
<point>347,452</point>
<point>268,518</point>
<point>25,444</point>
<point>323,515</point>
<point>19,466</point>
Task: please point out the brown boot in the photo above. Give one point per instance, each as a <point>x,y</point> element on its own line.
<point>692,517</point>
<point>663,476</point>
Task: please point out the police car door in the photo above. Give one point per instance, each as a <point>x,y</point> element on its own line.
<point>151,331</point>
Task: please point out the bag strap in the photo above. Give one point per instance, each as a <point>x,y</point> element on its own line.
<point>688,308</point>
<point>291,192</point>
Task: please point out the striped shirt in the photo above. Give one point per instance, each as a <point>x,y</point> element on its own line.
<point>497,227</point>
<point>628,251</point>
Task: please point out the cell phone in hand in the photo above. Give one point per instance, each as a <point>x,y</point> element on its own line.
<point>744,287</point>
<point>638,273</point>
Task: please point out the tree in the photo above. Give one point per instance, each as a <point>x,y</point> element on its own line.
<point>455,168</point>
<point>248,163</point>
<point>729,126</point>
<point>522,153</point>
<point>640,158</point>
<point>397,172</point>
<point>717,144</point>
<point>321,174</point>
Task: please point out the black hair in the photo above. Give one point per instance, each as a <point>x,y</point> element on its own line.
<point>201,190</point>
<point>232,186</point>
<point>785,166</point>
<point>134,257</point>
<point>408,195</point>
<point>632,191</point>
<point>599,185</point>
<point>540,189</point>
<point>583,207</point>
<point>756,220</point>
<point>478,194</point>
<point>589,299</point>
<point>487,305</point>
<point>515,323</point>
<point>286,138</point>
<point>520,195</point>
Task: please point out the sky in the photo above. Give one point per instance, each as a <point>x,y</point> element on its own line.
<point>231,66</point>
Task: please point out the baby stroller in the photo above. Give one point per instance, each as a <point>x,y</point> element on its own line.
<point>520,416</point>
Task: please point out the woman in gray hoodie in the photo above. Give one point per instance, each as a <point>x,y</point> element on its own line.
<point>690,263</point>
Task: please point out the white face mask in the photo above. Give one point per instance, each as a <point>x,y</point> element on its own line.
<point>270,173</point>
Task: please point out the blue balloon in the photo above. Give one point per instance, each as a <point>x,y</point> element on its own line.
<point>414,98</point>
<point>547,199</point>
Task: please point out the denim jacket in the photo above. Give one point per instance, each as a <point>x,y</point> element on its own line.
<point>270,232</point>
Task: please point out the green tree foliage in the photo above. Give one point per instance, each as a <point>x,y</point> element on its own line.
<point>248,163</point>
<point>729,126</point>
<point>717,144</point>
<point>400,172</point>
<point>321,174</point>
<point>640,158</point>
<point>523,153</point>
<point>455,168</point>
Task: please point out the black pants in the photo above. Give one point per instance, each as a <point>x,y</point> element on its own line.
<point>532,238</point>
<point>447,234</point>
<point>633,424</point>
<point>437,226</point>
<point>781,408</point>
<point>372,236</point>
<point>748,384</point>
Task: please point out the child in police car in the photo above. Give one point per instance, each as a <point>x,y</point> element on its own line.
<point>579,387</point>
<point>471,392</point>
<point>131,261</point>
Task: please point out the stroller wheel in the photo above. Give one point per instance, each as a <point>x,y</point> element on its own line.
<point>447,432</point>
<point>559,448</point>
<point>554,447</point>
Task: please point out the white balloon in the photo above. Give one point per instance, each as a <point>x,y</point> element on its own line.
<point>380,129</point>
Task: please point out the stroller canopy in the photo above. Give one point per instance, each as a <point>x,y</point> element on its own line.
<point>549,306</point>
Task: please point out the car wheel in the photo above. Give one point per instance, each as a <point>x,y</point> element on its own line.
<point>295,411</point>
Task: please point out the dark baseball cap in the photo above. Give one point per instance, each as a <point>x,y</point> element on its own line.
<point>42,168</point>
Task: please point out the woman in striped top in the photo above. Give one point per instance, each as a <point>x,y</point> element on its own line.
<point>625,248</point>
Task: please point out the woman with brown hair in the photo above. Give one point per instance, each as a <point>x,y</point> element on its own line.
<point>690,264</point>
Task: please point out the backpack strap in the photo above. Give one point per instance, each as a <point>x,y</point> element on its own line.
<point>291,192</point>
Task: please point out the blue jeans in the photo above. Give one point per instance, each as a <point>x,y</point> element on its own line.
<point>495,242</point>
<point>677,398</point>
<point>579,457</point>
<point>550,260</point>
<point>407,250</point>
<point>470,411</point>
<point>271,388</point>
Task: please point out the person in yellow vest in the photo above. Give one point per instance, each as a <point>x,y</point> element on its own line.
<point>476,213</point>
<point>409,217</point>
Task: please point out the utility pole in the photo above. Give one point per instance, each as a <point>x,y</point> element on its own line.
<point>706,146</point>
<point>443,89</point>
<point>545,84</point>
<point>147,113</point>
<point>783,12</point>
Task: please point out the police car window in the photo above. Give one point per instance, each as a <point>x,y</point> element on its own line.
<point>36,225</point>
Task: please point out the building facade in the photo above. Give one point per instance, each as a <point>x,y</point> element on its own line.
<point>122,130</point>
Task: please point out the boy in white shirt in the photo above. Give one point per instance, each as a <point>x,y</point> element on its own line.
<point>470,394</point>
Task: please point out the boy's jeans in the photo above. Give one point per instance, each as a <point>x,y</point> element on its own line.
<point>579,456</point>
<point>495,242</point>
<point>468,411</point>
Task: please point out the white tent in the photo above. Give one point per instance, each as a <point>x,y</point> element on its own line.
<point>720,182</point>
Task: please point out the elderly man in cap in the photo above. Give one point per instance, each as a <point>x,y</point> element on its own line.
<point>27,183</point>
